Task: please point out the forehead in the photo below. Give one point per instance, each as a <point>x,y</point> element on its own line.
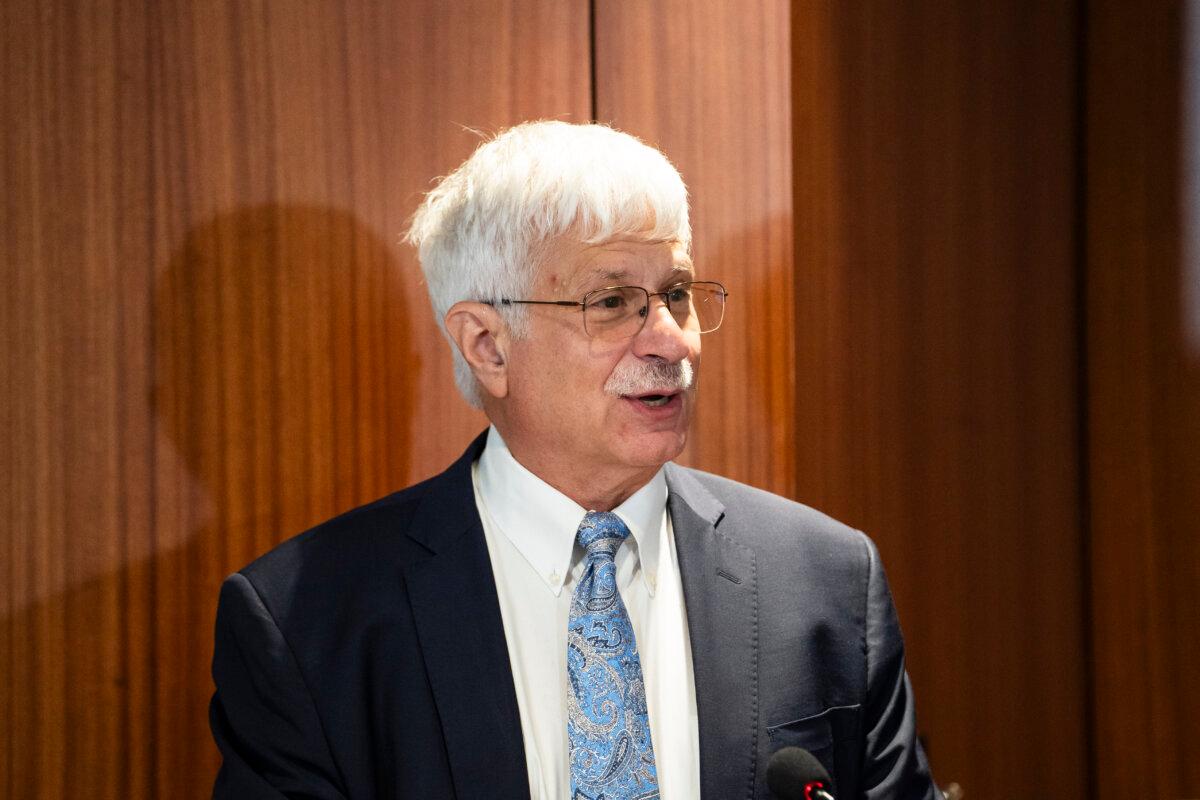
<point>625,259</point>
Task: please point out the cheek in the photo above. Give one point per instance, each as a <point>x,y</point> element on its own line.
<point>569,371</point>
<point>595,364</point>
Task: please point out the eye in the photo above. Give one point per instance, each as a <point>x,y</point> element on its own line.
<point>609,302</point>
<point>679,294</point>
<point>613,301</point>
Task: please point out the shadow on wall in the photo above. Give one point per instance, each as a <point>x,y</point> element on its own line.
<point>285,381</point>
<point>284,368</point>
<point>282,388</point>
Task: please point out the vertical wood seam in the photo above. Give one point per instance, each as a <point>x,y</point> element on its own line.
<point>1082,397</point>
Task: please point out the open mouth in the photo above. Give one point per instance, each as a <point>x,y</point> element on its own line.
<point>653,400</point>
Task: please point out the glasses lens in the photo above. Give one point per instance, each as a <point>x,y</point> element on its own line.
<point>698,306</point>
<point>614,313</point>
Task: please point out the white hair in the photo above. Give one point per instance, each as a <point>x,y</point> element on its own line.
<point>480,231</point>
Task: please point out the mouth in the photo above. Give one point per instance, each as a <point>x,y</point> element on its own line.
<point>653,399</point>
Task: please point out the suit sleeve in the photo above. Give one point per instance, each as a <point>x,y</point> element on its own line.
<point>894,765</point>
<point>262,715</point>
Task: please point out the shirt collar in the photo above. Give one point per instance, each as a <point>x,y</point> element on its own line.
<point>541,521</point>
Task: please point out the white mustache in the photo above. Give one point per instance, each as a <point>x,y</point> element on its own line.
<point>635,378</point>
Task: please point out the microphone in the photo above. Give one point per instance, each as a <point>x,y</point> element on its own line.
<point>793,773</point>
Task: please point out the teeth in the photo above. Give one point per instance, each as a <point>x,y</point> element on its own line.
<point>655,400</point>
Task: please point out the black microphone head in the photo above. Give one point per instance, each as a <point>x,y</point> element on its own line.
<point>790,769</point>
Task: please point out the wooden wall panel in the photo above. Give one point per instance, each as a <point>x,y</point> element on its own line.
<point>935,178</point>
<point>708,83</point>
<point>212,336</point>
<point>1143,400</point>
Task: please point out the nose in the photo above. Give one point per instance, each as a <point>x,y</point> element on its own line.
<point>662,337</point>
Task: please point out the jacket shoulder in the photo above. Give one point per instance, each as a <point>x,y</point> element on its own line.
<point>362,541</point>
<point>355,549</point>
<point>769,519</point>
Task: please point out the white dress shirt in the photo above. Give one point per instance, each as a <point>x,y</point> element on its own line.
<point>530,531</point>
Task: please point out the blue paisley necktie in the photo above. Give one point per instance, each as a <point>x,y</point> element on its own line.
<point>612,757</point>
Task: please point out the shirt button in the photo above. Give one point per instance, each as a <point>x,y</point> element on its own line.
<point>555,578</point>
<point>653,582</point>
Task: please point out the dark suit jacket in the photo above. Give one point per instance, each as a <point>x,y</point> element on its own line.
<point>366,658</point>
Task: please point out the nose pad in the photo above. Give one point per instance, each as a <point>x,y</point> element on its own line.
<point>645,312</point>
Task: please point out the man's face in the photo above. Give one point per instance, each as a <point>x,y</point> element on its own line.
<point>558,409</point>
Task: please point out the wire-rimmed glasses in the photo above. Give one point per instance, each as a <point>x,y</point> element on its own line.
<point>619,312</point>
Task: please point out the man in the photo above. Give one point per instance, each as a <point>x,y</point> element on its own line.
<point>564,613</point>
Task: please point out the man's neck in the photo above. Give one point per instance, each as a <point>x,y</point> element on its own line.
<point>593,489</point>
<point>593,493</point>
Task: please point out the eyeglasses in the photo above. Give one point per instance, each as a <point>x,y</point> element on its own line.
<point>619,312</point>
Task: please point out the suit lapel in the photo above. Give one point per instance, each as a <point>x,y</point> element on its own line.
<point>721,597</point>
<point>457,613</point>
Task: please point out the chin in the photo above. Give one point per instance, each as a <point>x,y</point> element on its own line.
<point>654,449</point>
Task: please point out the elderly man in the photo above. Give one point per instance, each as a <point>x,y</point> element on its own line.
<point>564,613</point>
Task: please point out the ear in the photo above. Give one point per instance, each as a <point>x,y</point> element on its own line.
<point>482,338</point>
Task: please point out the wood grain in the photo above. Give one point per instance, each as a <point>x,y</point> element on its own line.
<point>212,336</point>
<point>708,84</point>
<point>1144,398</point>
<point>934,152</point>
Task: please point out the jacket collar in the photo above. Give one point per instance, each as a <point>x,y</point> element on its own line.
<point>447,510</point>
<point>457,615</point>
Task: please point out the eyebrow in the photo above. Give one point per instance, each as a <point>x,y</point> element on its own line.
<point>620,275</point>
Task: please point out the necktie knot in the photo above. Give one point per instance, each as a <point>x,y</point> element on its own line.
<point>601,533</point>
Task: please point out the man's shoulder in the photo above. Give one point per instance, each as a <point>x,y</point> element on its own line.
<point>763,520</point>
<point>378,536</point>
<point>745,499</point>
<point>355,526</point>
<point>361,546</point>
